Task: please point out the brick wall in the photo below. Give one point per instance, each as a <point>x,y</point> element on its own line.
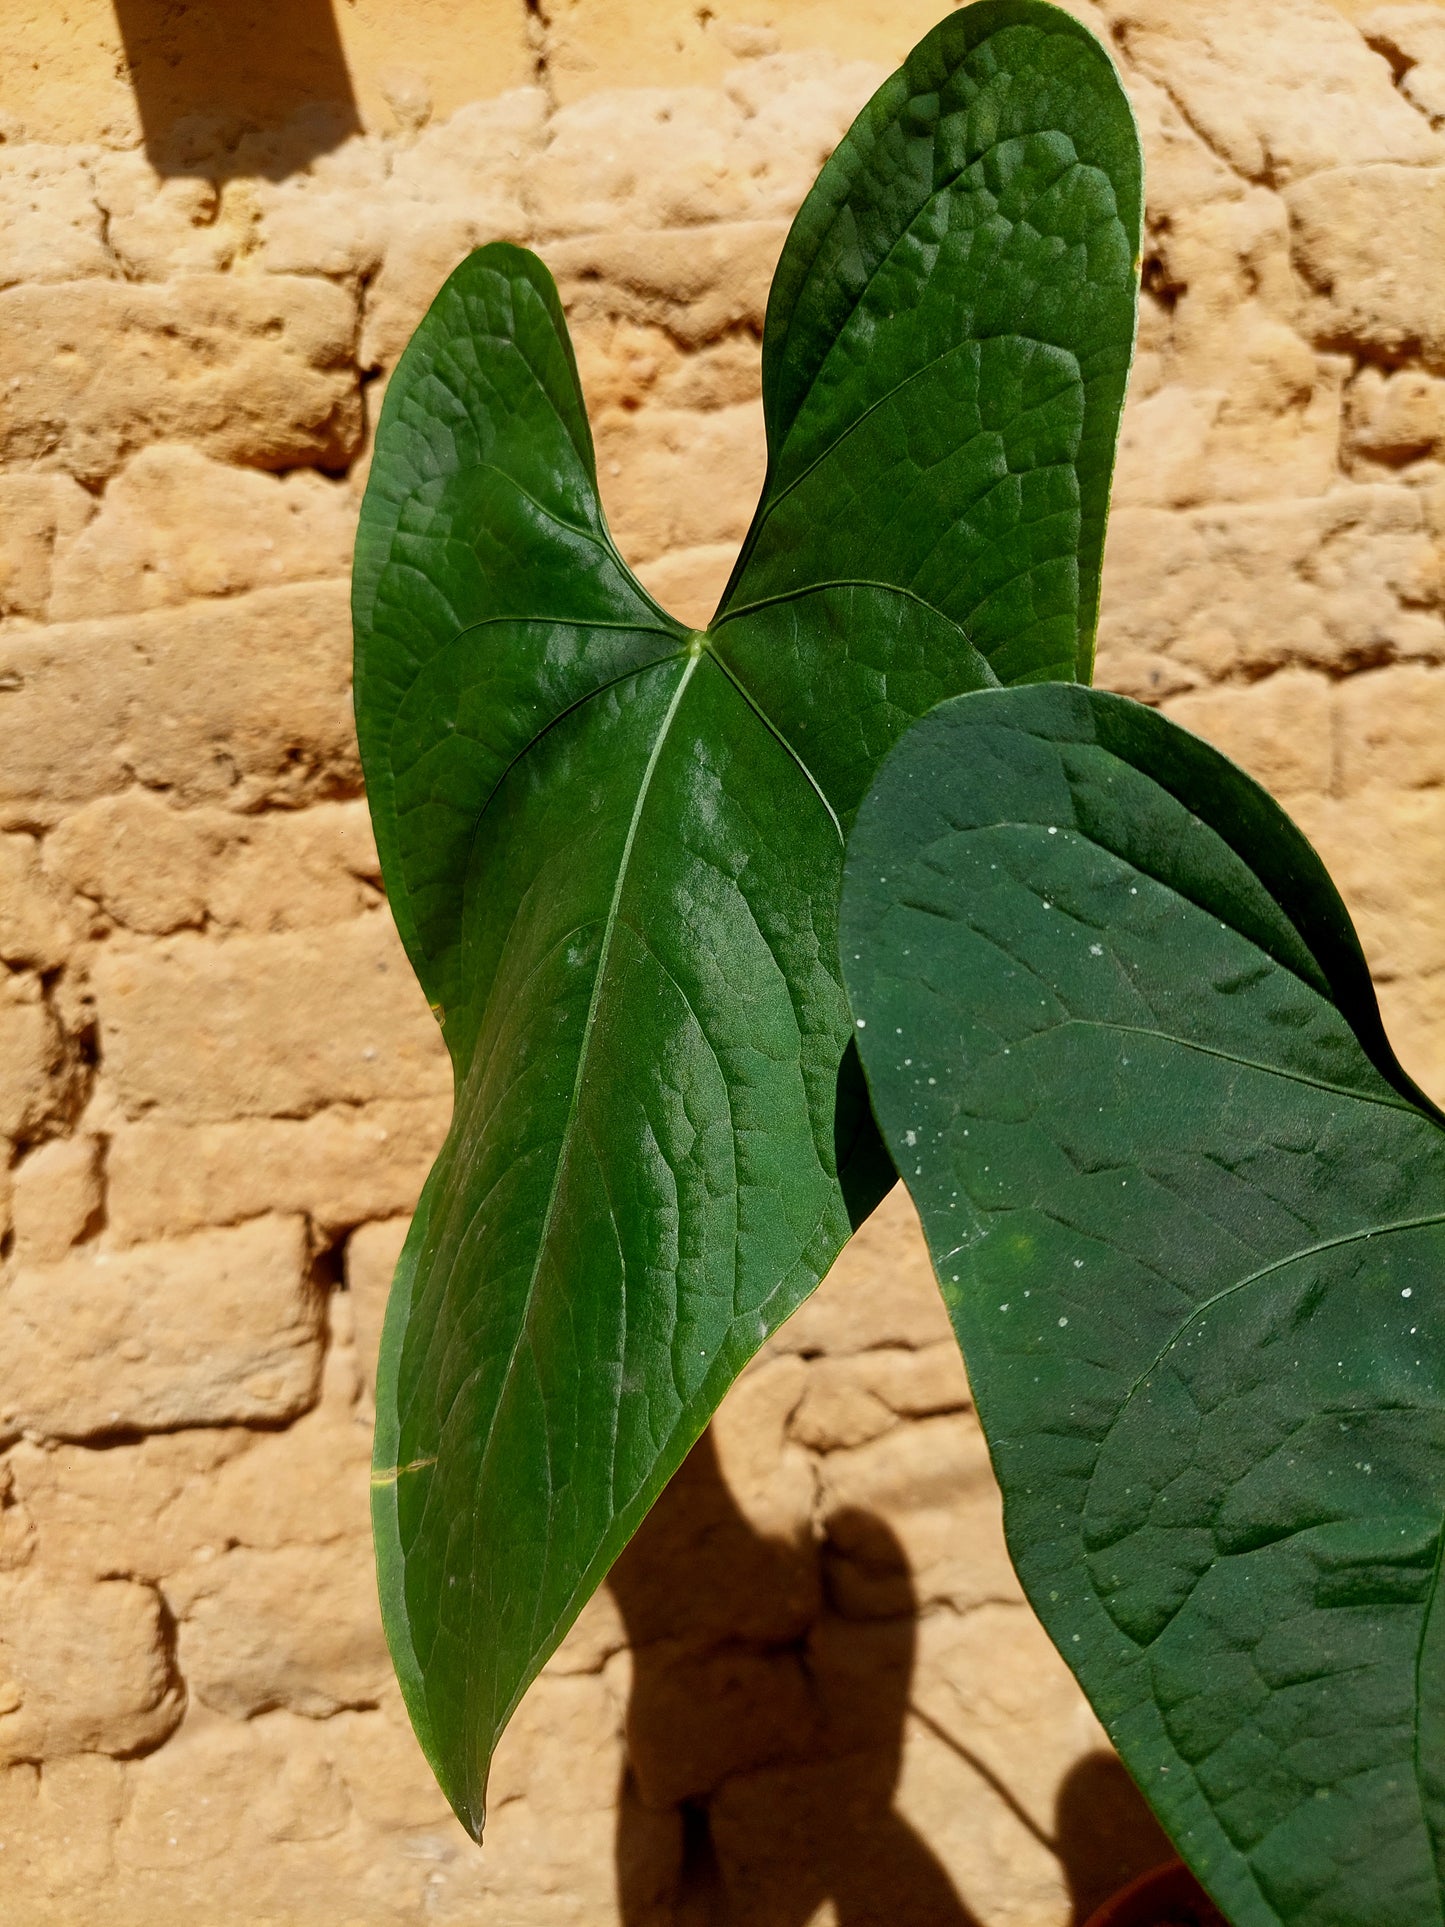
<point>812,1686</point>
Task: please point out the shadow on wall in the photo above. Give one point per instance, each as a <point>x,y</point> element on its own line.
<point>231,87</point>
<point>771,1685</point>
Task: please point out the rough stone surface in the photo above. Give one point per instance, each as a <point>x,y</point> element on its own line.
<point>293,1626</point>
<point>256,370</point>
<point>810,1690</point>
<point>84,1669</point>
<point>242,701</point>
<point>207,1031</point>
<point>176,525</point>
<point>56,1197</point>
<point>218,1327</point>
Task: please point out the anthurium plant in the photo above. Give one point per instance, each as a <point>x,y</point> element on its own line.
<point>727,929</point>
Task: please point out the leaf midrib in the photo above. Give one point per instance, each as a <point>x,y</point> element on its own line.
<point>505,1378</point>
<point>1073,1022</point>
<point>702,646</point>
<point>700,650</point>
<point>564,1136</point>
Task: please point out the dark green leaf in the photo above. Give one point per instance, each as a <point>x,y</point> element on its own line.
<point>1188,1215</point>
<point>614,850</point>
<point>948,340</point>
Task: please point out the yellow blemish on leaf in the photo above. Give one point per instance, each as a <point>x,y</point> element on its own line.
<point>397,1471</point>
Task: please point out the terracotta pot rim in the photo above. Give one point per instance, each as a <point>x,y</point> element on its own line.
<point>1107,1914</point>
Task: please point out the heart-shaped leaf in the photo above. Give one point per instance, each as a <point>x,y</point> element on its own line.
<point>1188,1215</point>
<point>614,848</point>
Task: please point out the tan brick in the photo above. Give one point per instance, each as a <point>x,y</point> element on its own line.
<point>482,158</point>
<point>35,929</point>
<point>705,1569</point>
<point>622,364</point>
<point>254,369</point>
<point>51,228</point>
<point>175,524</point>
<point>1280,90</point>
<point>267,1026</point>
<point>696,282</point>
<point>297,870</point>
<point>595,1636</point>
<point>760,1709</point>
<point>83,1669</point>
<point>59,1830</point>
<point>160,227</point>
<point>237,701</point>
<point>231,1817</point>
<point>1412,37</point>
<point>1392,729</point>
<point>297,1627</point>
<point>329,218</point>
<point>145,1508</point>
<point>551,1775</point>
<point>17,1528</point>
<point>1182,170</point>
<point>689,582</point>
<point>306,1800</point>
<point>1280,730</point>
<point>172,1502</point>
<point>34,1060</point>
<point>1242,408</point>
<point>35,512</point>
<point>338,1167</point>
<point>390,1782</point>
<point>429,242</point>
<point>1371,242</point>
<point>1243,590</point>
<point>462,184</point>
<point>222,1327</point>
<point>613,46</point>
<point>309,1485</point>
<point>1164,447</point>
<point>1386,853</point>
<point>847,1401</point>
<point>932,1482</point>
<point>57,1198</point>
<point>146,864</point>
<point>155,869</point>
<point>673,480</point>
<point>651,157</point>
<point>1394,418</point>
<point>984,1776</point>
<point>191,1802</point>
<point>769,1478</point>
<point>719,374</point>
<point>563,1747</point>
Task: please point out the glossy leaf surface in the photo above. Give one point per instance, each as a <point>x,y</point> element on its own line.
<point>1188,1215</point>
<point>948,341</point>
<point>613,848</point>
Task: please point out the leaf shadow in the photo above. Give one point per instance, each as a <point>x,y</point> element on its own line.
<point>772,1685</point>
<point>230,88</point>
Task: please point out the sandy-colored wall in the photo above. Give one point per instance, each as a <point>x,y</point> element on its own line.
<point>811,1693</point>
